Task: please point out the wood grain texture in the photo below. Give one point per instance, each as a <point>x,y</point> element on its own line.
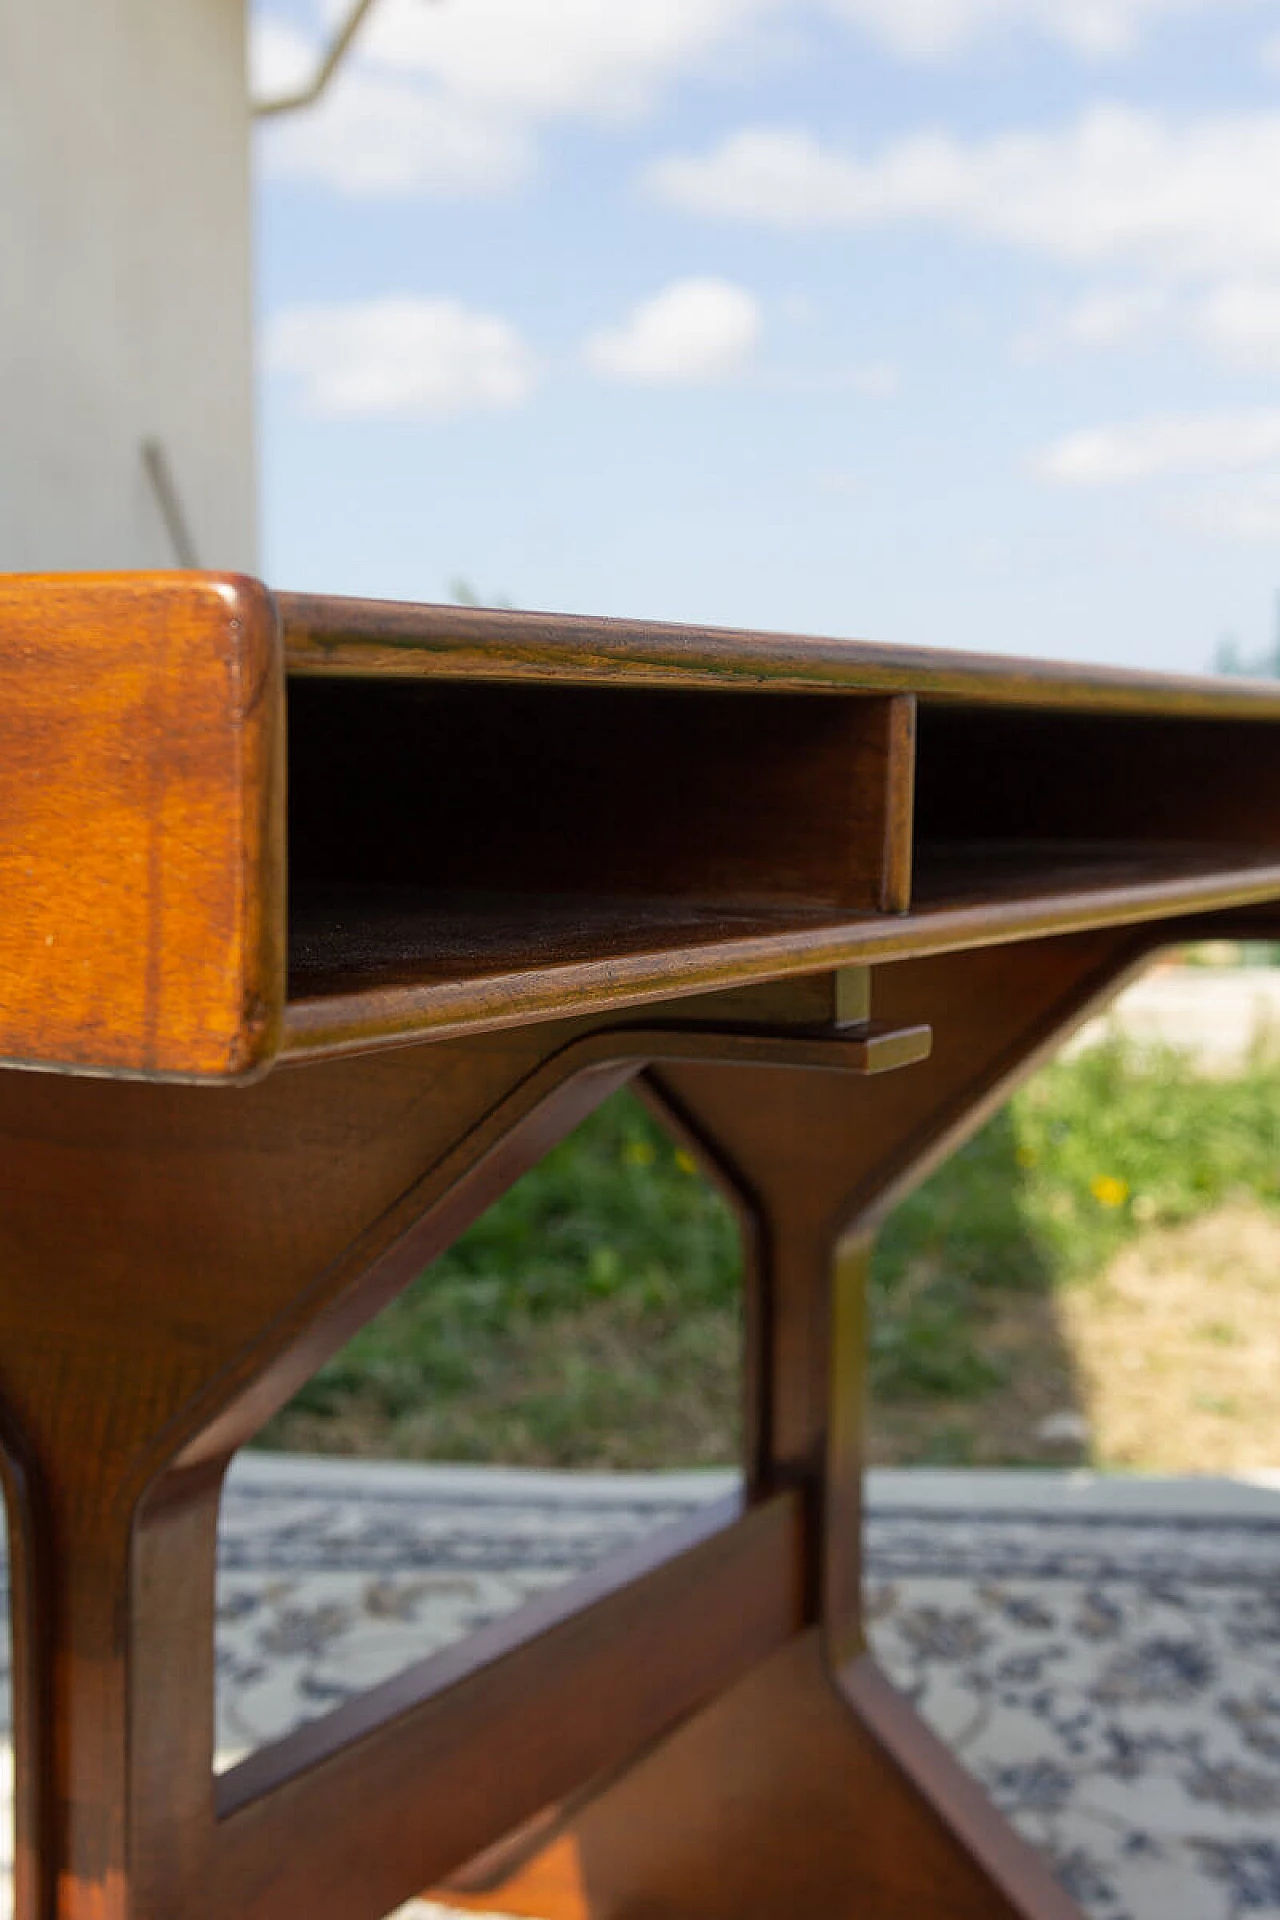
<point>813,1162</point>
<point>763,1552</point>
<point>783,1798</point>
<point>174,1264</point>
<point>954,1796</point>
<point>398,640</point>
<point>651,796</point>
<point>173,1260</point>
<point>448,1775</point>
<point>220,1248</point>
<point>988,775</point>
<point>899,787</point>
<point>141,848</point>
<point>388,969</point>
<point>527,847</point>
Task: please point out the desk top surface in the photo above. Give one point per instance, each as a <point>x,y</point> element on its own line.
<point>236,825</point>
<point>374,639</point>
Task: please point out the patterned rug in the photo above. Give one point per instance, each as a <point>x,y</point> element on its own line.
<point>332,1577</point>
<point>1103,1655</point>
<point>1113,1679</point>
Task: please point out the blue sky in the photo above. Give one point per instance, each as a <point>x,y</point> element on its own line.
<point>954,322</point>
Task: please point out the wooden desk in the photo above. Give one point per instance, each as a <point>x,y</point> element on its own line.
<point>529,859</point>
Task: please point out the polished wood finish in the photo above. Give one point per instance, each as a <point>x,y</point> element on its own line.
<point>823,903</point>
<point>782,1798</point>
<point>141,844</point>
<point>475,971</point>
<point>522,791</point>
<point>557,1701</point>
<point>385,639</point>
<point>476,837</point>
<point>218,1251</point>
<point>992,776</point>
<point>812,1163</point>
<point>955,1802</point>
<point>539,1647</point>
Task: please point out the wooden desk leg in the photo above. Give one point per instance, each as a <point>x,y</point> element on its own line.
<point>175,1260</point>
<point>111,1609</point>
<point>172,1262</point>
<point>812,1787</point>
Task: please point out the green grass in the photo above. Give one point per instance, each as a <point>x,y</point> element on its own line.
<point>1084,1157</point>
<point>602,1287</point>
<point>591,1315</point>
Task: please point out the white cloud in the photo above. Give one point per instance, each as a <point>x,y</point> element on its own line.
<point>1241,322</point>
<point>445,99</point>
<point>1250,511</point>
<point>780,175</point>
<point>1163,447</point>
<point>932,29</point>
<point>408,358</point>
<point>692,332</point>
<point>1174,201</point>
<point>377,135</point>
<point>1113,316</point>
<point>281,58</point>
<point>874,380</point>
<point>451,98</point>
<point>537,59</point>
<point>1238,321</point>
<point>869,379</point>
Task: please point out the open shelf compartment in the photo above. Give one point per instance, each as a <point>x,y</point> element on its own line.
<point>463,853</point>
<point>1015,804</point>
<point>439,829</point>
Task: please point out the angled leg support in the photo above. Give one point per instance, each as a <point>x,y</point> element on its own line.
<point>812,1786</point>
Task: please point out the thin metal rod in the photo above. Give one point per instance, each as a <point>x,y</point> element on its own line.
<point>333,58</point>
<point>162,485</point>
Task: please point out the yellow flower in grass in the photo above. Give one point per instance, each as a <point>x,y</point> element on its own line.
<point>1108,1191</point>
<point>685,1161</point>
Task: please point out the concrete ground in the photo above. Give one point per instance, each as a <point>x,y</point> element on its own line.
<point>1219,1014</point>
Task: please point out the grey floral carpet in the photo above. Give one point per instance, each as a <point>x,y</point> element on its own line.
<point>1113,1679</point>
<point>1104,1656</point>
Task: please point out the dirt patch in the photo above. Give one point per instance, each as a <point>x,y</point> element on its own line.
<point>1021,1335</point>
<point>1177,1347</point>
<point>1168,1361</point>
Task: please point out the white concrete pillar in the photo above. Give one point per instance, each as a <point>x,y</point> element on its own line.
<point>124,282</point>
